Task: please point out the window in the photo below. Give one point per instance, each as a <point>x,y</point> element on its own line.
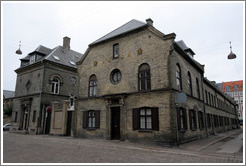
<point>200,118</point>
<point>228,88</point>
<point>34,116</point>
<point>178,77</point>
<point>116,50</point>
<point>115,76</point>
<point>235,87</point>
<point>209,120</point>
<point>32,59</point>
<point>55,85</point>
<point>144,77</point>
<point>206,96</point>
<point>197,88</point>
<point>91,119</point>
<point>182,119</point>
<point>209,98</point>
<point>145,118</point>
<point>93,86</point>
<point>193,125</point>
<point>189,82</point>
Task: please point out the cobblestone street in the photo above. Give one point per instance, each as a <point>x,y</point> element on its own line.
<point>20,148</point>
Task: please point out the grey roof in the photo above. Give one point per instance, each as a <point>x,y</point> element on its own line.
<point>58,54</point>
<point>64,56</point>
<point>182,45</point>
<point>8,94</point>
<point>41,49</point>
<point>130,26</point>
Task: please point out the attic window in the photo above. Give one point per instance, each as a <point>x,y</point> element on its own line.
<point>72,63</point>
<point>56,58</point>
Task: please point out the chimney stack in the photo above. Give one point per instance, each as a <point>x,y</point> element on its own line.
<point>149,21</point>
<point>66,43</point>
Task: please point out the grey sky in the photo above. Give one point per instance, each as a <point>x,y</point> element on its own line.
<point>205,27</point>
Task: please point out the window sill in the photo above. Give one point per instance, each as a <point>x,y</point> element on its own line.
<point>91,128</point>
<point>182,130</point>
<point>147,131</point>
<point>193,129</point>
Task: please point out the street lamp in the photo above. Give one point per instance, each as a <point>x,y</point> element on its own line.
<point>231,55</point>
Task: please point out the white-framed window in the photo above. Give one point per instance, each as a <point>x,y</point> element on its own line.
<point>55,87</point>
<point>92,119</point>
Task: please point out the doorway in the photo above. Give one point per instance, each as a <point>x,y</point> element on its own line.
<point>115,123</point>
<point>69,123</point>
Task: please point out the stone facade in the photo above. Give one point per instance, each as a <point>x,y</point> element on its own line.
<point>125,109</point>
<point>36,87</point>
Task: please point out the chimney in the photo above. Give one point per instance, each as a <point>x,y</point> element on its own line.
<point>149,21</point>
<point>66,43</point>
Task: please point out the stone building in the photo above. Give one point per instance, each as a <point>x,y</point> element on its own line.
<point>235,90</point>
<point>137,83</point>
<point>45,75</point>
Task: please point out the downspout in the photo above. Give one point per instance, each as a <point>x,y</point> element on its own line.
<point>40,99</point>
<point>204,107</point>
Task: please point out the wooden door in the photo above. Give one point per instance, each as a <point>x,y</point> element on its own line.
<point>115,123</point>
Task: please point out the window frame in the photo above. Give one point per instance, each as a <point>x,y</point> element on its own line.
<point>189,83</point>
<point>178,77</point>
<point>118,77</point>
<point>193,121</point>
<point>116,50</point>
<point>144,77</point>
<point>136,121</point>
<point>92,92</point>
<point>198,89</point>
<point>91,119</point>
<point>200,120</point>
<point>55,85</point>
<point>182,119</point>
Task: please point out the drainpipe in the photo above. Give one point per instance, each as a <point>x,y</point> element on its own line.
<point>40,99</point>
<point>204,108</point>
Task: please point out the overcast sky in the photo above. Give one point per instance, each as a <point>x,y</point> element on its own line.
<point>205,27</point>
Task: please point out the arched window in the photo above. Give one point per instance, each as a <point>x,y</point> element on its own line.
<point>178,77</point>
<point>189,82</point>
<point>197,88</point>
<point>144,77</point>
<point>55,85</point>
<point>93,86</point>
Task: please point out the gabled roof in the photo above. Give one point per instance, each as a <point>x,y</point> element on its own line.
<point>130,26</point>
<point>8,94</point>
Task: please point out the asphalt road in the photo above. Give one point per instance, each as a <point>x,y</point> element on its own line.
<point>20,148</point>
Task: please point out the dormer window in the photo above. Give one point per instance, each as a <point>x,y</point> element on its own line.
<point>32,59</point>
<point>116,50</point>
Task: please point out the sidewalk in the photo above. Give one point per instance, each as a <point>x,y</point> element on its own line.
<point>203,143</point>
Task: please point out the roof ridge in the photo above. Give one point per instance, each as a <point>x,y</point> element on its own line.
<point>101,39</point>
